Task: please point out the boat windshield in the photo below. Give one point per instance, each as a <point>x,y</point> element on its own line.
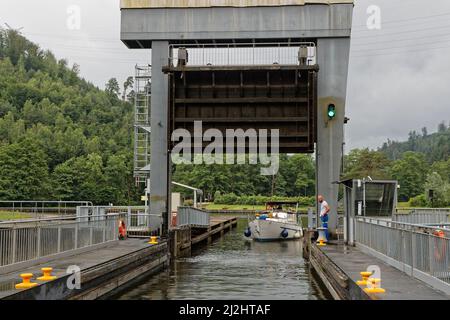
<point>280,215</point>
<point>290,207</point>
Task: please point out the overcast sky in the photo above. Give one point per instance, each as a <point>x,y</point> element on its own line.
<point>399,76</point>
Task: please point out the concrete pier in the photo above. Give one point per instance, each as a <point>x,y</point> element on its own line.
<point>103,271</point>
<point>111,268</point>
<point>184,239</point>
<point>339,266</point>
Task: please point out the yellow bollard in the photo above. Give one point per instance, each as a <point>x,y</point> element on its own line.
<point>153,240</point>
<point>321,243</point>
<point>365,276</point>
<point>47,275</point>
<point>375,286</point>
<point>26,281</point>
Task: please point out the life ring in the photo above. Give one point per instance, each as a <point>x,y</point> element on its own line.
<point>440,250</point>
<point>122,230</point>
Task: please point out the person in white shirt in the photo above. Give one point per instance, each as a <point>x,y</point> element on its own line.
<point>324,210</point>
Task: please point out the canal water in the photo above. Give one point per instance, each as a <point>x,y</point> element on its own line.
<point>234,268</point>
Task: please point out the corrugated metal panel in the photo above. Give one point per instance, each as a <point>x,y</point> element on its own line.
<point>131,4</point>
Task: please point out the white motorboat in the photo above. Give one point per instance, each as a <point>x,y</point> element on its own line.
<point>275,224</point>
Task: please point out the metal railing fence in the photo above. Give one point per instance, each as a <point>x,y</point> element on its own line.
<point>240,54</point>
<point>423,216</point>
<point>22,241</point>
<point>135,217</point>
<point>414,249</point>
<point>42,208</point>
<point>189,216</point>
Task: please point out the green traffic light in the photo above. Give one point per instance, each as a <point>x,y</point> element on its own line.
<point>331,111</point>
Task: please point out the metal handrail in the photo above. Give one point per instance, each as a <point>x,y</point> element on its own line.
<point>45,201</point>
<point>58,219</point>
<point>25,243</point>
<point>243,44</point>
<point>422,209</point>
<point>29,240</point>
<point>42,207</point>
<point>412,227</point>
<point>423,216</point>
<point>189,216</point>
<point>229,54</point>
<point>411,248</point>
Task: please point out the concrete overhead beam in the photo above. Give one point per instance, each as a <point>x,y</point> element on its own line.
<point>226,23</point>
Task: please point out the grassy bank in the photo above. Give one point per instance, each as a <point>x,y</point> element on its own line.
<point>234,207</point>
<point>8,215</point>
<point>239,207</point>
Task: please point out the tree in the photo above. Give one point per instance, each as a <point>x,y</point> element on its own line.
<point>442,127</point>
<point>11,131</point>
<point>435,146</point>
<point>127,84</point>
<point>112,87</point>
<point>70,121</point>
<point>298,171</point>
<point>360,163</point>
<point>410,171</point>
<point>441,190</point>
<point>117,179</point>
<point>23,171</point>
<point>81,178</point>
<point>424,132</point>
<point>130,97</point>
<point>76,68</point>
<point>443,169</point>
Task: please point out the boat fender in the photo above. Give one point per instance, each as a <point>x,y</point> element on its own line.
<point>284,233</point>
<point>248,232</point>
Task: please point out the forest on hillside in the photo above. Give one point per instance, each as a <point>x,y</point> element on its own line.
<point>62,138</point>
<point>420,164</point>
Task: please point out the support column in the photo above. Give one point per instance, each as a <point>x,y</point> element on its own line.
<point>333,57</point>
<point>159,182</point>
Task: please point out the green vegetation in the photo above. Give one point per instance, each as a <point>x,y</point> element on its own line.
<point>7,216</point>
<point>403,204</point>
<point>421,164</point>
<point>62,138</point>
<point>259,200</point>
<point>295,178</point>
<point>234,207</point>
<point>241,207</point>
<point>435,147</point>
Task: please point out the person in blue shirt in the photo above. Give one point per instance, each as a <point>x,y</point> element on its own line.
<point>324,210</point>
